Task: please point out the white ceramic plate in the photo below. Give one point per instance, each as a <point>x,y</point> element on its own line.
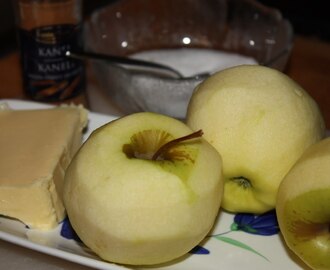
<point>228,247</point>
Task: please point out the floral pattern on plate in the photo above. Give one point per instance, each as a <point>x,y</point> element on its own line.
<point>265,224</point>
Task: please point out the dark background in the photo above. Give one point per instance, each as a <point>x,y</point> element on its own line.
<point>309,18</point>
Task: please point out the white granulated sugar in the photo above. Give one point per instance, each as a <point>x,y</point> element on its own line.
<point>190,61</point>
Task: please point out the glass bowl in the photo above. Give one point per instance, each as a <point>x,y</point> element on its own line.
<point>127,27</point>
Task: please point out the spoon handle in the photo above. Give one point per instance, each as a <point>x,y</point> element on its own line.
<point>122,60</point>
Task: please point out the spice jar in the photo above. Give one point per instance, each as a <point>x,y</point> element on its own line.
<point>47,30</point>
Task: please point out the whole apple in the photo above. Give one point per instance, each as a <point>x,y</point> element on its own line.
<point>143,189</point>
<point>303,206</point>
<point>260,121</point>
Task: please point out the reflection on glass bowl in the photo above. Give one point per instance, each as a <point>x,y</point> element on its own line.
<point>192,30</point>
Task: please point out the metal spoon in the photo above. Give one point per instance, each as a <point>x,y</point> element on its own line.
<point>140,64</point>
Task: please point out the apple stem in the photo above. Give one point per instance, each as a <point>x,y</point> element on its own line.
<point>165,147</point>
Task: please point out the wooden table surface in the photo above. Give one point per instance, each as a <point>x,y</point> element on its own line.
<point>309,65</point>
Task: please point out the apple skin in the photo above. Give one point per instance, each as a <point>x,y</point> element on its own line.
<point>261,122</point>
<point>141,212</point>
<point>303,206</point>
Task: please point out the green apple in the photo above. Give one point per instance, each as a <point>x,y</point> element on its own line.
<point>303,206</point>
<point>143,190</point>
<point>260,121</point>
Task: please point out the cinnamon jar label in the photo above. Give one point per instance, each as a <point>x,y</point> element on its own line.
<point>47,73</point>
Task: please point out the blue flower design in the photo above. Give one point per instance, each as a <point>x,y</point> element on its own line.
<point>199,250</point>
<point>67,231</point>
<point>265,224</point>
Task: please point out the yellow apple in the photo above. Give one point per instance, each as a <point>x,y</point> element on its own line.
<point>303,206</point>
<point>141,190</point>
<point>260,121</point>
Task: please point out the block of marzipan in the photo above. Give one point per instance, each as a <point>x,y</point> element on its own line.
<point>36,147</point>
